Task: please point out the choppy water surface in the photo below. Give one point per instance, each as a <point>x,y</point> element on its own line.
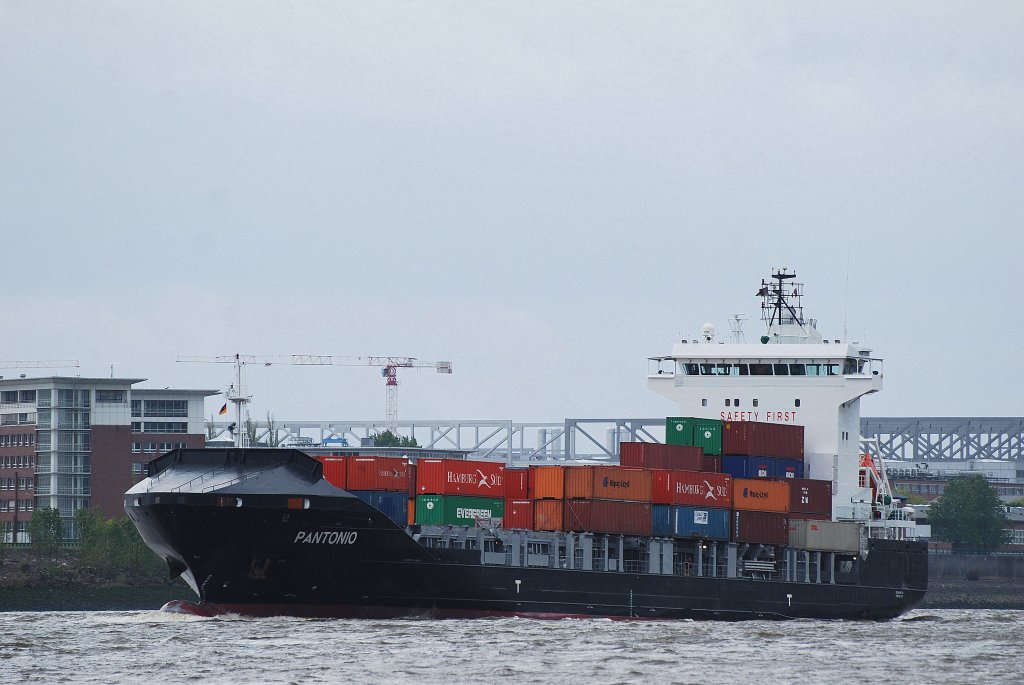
<point>940,646</point>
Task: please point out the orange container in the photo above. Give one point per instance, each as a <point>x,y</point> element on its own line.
<point>579,482</point>
<point>335,472</point>
<point>622,483</point>
<point>547,482</point>
<point>547,514</point>
<point>760,495</point>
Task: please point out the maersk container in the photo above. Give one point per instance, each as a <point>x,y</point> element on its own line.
<point>789,468</point>
<point>394,505</point>
<point>824,536</point>
<point>700,522</point>
<point>579,482</point>
<point>518,514</point>
<point>686,430</point>
<point>620,483</point>
<point>547,482</point>
<point>691,488</point>
<point>607,516</point>
<point>548,514</point>
<point>743,466</point>
<point>517,484</point>
<point>335,472</point>
<point>766,527</point>
<point>460,477</point>
<point>661,520</point>
<point>655,455</point>
<point>379,473</point>
<point>754,438</point>
<point>457,510</point>
<point>808,496</point>
<point>751,494</point>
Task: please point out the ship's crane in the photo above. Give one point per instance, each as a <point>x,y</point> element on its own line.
<point>389,366</point>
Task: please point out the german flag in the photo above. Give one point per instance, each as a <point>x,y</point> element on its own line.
<point>223,410</point>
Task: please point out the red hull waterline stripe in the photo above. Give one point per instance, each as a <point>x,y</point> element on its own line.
<point>348,611</point>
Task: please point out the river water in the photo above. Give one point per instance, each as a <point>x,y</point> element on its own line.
<point>932,646</point>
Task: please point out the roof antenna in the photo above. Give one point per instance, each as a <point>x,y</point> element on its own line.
<point>846,303</point>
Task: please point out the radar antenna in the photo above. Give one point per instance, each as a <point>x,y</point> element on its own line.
<point>736,322</point>
<point>782,302</point>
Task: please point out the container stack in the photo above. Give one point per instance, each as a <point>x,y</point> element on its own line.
<point>607,499</point>
<point>459,492</point>
<point>382,482</point>
<point>754,449</point>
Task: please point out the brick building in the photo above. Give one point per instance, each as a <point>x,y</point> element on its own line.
<point>69,442</point>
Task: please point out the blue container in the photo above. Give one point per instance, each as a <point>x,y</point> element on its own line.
<point>789,468</point>
<point>661,520</point>
<point>739,466</point>
<point>700,522</point>
<point>394,505</point>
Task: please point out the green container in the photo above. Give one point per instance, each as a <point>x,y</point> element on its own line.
<point>457,510</point>
<point>687,430</point>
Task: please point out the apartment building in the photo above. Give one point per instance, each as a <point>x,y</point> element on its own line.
<point>69,442</point>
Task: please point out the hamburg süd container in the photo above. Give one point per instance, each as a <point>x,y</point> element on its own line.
<point>548,514</point>
<point>750,494</point>
<point>394,505</point>
<point>767,527</point>
<point>754,438</point>
<point>825,536</point>
<point>655,455</point>
<point>457,510</point>
<point>335,472</point>
<point>547,482</point>
<point>607,516</point>
<point>379,473</point>
<point>687,430</point>
<point>810,496</point>
<point>691,488</point>
<point>460,477</point>
<point>700,522</point>
<point>517,484</point>
<point>518,514</point>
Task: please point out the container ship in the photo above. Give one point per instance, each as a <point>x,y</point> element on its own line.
<point>760,504</point>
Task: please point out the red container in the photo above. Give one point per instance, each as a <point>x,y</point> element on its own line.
<point>334,471</point>
<point>579,482</point>
<point>711,463</point>
<point>692,488</point>
<point>460,477</point>
<point>759,494</point>
<point>654,455</point>
<point>548,514</point>
<point>518,514</point>
<point>517,484</point>
<point>412,512</point>
<point>808,496</point>
<point>547,482</point>
<point>607,516</point>
<point>391,474</point>
<point>412,482</point>
<point>755,438</point>
<point>765,527</point>
<point>619,483</point>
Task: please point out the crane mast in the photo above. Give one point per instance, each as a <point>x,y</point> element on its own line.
<point>239,397</point>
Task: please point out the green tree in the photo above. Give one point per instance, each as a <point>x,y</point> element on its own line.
<point>1016,502</point>
<point>389,439</point>
<point>969,514</point>
<point>46,530</point>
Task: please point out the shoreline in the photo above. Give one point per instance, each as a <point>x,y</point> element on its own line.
<point>992,593</point>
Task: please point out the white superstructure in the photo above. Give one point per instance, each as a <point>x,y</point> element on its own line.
<point>791,374</point>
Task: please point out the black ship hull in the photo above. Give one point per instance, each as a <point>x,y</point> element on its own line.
<point>287,543</point>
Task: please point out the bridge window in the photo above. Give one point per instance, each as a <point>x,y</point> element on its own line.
<point>850,366</point>
<point>781,369</point>
<point>831,369</point>
<point>760,369</point>
<point>796,370</point>
<point>691,369</point>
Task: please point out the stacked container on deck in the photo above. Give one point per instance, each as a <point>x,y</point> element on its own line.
<point>382,482</point>
<point>459,492</point>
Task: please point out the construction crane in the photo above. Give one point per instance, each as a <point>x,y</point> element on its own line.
<point>47,364</point>
<point>389,366</point>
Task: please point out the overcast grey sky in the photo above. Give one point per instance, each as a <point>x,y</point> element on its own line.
<point>544,193</point>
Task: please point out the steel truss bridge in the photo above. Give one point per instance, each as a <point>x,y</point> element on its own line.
<point>900,439</point>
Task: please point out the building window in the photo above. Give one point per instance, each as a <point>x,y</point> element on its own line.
<point>165,427</point>
<point>28,396</point>
<point>136,426</point>
<point>137,467</point>
<point>116,396</point>
<point>136,447</point>
<point>165,408</point>
<point>136,408</point>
